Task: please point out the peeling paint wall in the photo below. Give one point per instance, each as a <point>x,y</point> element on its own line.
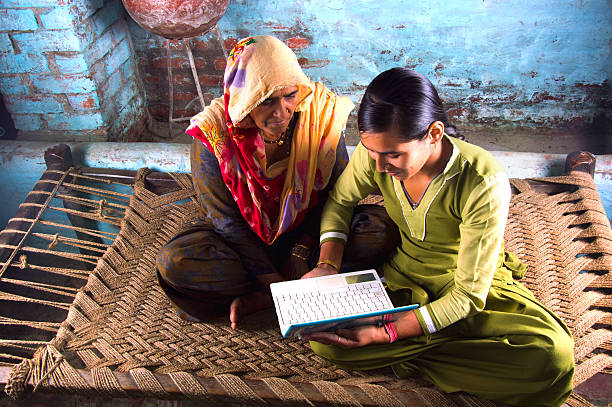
<point>496,63</point>
<point>67,70</point>
<point>67,66</point>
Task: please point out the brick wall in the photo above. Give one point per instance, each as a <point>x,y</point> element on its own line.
<point>67,67</point>
<point>153,63</point>
<point>209,60</point>
<point>67,71</point>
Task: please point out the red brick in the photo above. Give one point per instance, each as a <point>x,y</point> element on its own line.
<point>276,26</point>
<point>539,97</point>
<point>458,113</point>
<point>313,63</point>
<point>177,62</point>
<point>199,62</point>
<point>159,62</point>
<point>89,103</point>
<point>181,80</point>
<point>199,44</point>
<point>210,80</point>
<point>220,64</point>
<point>297,43</point>
<point>151,78</point>
<point>588,85</point>
<point>229,43</point>
<point>184,96</point>
<point>180,62</point>
<point>174,44</point>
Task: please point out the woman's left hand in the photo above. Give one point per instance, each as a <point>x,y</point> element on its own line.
<point>351,338</point>
<point>294,268</point>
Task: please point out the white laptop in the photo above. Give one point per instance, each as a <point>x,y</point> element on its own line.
<point>331,302</point>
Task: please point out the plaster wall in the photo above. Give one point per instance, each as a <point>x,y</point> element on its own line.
<point>67,70</point>
<point>512,63</point>
<point>21,165</point>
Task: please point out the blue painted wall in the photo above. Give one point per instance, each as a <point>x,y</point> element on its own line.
<point>66,67</point>
<point>495,62</point>
<point>67,70</point>
<point>519,61</point>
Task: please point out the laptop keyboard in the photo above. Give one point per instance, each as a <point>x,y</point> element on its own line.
<point>315,305</point>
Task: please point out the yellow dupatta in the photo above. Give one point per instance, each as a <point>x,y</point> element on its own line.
<point>275,200</point>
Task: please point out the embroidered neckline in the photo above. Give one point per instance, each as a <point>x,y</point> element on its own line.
<point>413,204</point>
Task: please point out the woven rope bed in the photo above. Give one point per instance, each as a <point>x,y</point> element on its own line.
<point>121,336</point>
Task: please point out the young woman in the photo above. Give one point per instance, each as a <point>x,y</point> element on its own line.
<point>477,329</point>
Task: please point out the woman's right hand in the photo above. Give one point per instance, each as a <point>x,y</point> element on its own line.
<point>321,270</point>
<point>330,260</point>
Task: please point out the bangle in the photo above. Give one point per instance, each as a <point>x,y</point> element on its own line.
<point>331,263</point>
<point>390,328</point>
<point>299,257</point>
<point>300,251</point>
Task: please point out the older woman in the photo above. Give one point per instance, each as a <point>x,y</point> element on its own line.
<point>264,156</point>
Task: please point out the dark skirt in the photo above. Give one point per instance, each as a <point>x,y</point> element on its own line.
<point>202,274</point>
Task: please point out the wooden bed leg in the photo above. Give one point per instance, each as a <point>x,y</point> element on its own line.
<point>582,161</point>
<point>58,157</point>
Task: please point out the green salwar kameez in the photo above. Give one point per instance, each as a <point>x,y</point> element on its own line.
<point>485,333</point>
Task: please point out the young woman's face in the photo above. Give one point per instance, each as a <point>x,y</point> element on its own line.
<point>398,158</point>
<point>273,115</point>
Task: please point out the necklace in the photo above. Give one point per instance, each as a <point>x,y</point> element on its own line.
<point>280,141</point>
<point>286,134</point>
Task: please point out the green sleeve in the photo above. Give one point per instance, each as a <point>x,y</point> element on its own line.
<point>482,230</point>
<point>355,183</point>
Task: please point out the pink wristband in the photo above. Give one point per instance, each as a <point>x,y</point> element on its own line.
<point>390,328</point>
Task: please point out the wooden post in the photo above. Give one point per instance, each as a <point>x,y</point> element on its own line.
<point>582,161</point>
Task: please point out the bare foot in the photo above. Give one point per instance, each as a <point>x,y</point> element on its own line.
<point>248,304</point>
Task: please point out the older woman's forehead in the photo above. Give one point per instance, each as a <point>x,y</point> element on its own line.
<point>284,91</point>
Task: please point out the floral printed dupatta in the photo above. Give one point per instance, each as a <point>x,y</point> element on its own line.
<point>272,200</point>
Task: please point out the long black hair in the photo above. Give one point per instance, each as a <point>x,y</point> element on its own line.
<point>403,100</point>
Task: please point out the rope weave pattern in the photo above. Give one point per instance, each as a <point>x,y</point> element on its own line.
<point>559,228</point>
<point>47,255</point>
<point>123,330</point>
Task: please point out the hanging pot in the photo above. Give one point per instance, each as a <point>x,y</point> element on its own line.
<point>176,19</point>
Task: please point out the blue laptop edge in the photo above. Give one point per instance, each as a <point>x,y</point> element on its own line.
<point>295,329</point>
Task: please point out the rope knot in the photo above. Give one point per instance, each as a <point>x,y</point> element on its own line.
<point>101,206</point>
<point>23,261</point>
<point>142,173</point>
<point>54,242</point>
